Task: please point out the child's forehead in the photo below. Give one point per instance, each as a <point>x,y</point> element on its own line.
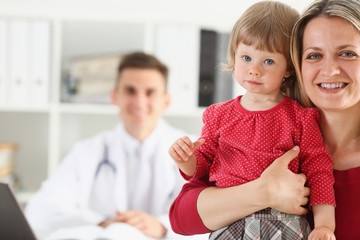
<point>259,46</point>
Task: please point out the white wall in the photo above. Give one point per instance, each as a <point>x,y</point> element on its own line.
<point>213,13</point>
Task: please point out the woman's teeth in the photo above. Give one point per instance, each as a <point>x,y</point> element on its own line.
<point>332,85</point>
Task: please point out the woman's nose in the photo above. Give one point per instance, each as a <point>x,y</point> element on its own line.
<point>330,67</point>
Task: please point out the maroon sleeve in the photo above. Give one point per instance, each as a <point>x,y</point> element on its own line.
<point>184,217</point>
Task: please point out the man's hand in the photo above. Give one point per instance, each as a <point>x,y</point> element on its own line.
<point>286,189</point>
<point>145,223</point>
<point>106,223</point>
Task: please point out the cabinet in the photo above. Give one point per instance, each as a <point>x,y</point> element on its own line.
<point>45,131</point>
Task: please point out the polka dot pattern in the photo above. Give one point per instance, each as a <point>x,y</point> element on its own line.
<point>241,144</point>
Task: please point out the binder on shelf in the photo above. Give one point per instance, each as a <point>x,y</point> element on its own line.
<point>19,61</point>
<point>215,82</point>
<point>27,59</point>
<point>207,67</point>
<point>39,62</point>
<point>178,48</point>
<point>4,88</point>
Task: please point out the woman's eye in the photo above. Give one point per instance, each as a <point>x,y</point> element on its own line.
<point>313,56</point>
<point>347,54</point>
<point>269,61</point>
<point>246,58</point>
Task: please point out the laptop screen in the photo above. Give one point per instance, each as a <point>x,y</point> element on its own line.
<point>13,224</point>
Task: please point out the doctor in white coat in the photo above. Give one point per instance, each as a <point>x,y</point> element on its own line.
<point>124,175</point>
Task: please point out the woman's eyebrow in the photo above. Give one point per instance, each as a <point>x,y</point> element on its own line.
<point>346,46</point>
<point>311,48</point>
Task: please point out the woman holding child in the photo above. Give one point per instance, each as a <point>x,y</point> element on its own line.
<point>326,54</point>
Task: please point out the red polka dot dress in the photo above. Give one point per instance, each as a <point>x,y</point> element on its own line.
<point>241,144</point>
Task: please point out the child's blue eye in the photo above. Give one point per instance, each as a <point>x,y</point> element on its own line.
<point>269,61</point>
<point>246,58</point>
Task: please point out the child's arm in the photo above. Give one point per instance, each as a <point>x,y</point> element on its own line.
<point>182,151</point>
<point>324,220</point>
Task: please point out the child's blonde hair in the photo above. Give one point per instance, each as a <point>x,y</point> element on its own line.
<point>266,25</point>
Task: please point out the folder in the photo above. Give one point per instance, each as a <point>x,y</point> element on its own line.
<point>19,61</point>
<point>178,47</point>
<point>208,43</point>
<point>4,88</point>
<point>39,56</point>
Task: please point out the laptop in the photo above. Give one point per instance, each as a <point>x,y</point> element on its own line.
<point>13,224</point>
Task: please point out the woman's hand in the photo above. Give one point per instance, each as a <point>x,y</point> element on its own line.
<point>286,191</point>
<point>278,188</point>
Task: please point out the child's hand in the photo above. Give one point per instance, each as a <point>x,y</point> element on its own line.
<point>182,149</point>
<point>321,233</point>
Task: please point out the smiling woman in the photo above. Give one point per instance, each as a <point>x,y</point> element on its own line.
<point>330,64</point>
<point>330,79</point>
<point>211,207</point>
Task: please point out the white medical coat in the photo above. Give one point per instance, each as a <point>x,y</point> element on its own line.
<point>63,199</point>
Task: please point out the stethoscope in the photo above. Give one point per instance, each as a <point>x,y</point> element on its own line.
<point>105,161</point>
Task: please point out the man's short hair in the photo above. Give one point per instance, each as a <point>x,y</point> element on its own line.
<point>142,60</point>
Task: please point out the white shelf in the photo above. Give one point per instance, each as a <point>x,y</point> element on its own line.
<point>24,108</point>
<point>108,109</point>
<point>86,108</point>
<point>196,112</point>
